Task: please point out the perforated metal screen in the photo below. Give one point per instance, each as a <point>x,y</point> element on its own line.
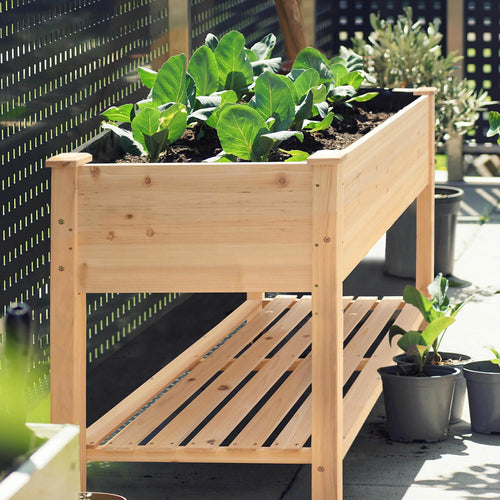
<point>61,64</point>
<point>482,51</point>
<point>339,21</point>
<point>254,19</point>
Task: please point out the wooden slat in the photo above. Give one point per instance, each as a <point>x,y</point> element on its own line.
<point>203,455</point>
<point>276,408</point>
<point>225,421</point>
<point>298,429</point>
<point>202,228</point>
<point>191,416</point>
<point>364,338</point>
<point>153,416</point>
<point>357,312</point>
<point>118,415</point>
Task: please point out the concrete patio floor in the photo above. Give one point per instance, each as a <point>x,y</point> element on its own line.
<point>465,466</point>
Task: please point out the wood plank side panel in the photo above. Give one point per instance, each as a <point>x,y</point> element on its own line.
<point>384,174</point>
<point>203,228</point>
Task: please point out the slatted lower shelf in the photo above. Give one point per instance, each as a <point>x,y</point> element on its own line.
<point>249,400</point>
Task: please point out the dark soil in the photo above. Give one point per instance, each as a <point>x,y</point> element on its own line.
<point>198,144</point>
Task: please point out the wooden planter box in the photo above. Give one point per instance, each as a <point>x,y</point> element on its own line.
<point>253,228</point>
<point>51,472</point>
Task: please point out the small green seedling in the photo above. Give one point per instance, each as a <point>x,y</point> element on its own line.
<point>496,359</point>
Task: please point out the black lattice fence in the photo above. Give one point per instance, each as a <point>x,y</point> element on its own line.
<point>338,22</point>
<point>62,63</point>
<point>254,19</point>
<point>482,53</point>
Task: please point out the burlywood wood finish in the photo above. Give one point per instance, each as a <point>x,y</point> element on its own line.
<point>267,393</point>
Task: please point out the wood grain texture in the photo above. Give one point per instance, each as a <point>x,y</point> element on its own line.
<point>68,312</point>
<point>327,345</point>
<point>237,228</point>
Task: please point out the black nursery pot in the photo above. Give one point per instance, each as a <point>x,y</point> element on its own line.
<point>418,407</point>
<point>483,386</point>
<point>400,243</point>
<point>458,400</point>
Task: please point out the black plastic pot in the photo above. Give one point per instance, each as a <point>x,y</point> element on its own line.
<point>418,408</point>
<point>483,386</point>
<point>458,400</point>
<point>400,245</point>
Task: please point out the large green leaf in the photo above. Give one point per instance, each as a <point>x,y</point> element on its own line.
<point>170,84</point>
<point>227,97</point>
<point>148,76</point>
<point>312,58</point>
<point>123,113</point>
<point>304,110</point>
<point>354,79</point>
<point>273,99</point>
<point>264,48</point>
<point>174,119</point>
<point>306,81</point>
<point>339,72</point>
<point>129,144</point>
<point>412,337</point>
<point>438,289</point>
<point>203,68</point>
<point>238,127</point>
<point>146,122</point>
<point>235,70</point>
<point>416,298</point>
<point>211,41</point>
<point>435,328</point>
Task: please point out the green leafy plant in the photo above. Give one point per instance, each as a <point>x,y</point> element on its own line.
<point>436,311</point>
<point>249,131</point>
<point>496,359</point>
<point>408,54</point>
<point>235,90</point>
<point>494,122</point>
<point>16,439</point>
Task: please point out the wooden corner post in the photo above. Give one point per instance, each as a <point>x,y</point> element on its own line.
<point>67,304</point>
<point>327,344</point>
<point>425,207</point>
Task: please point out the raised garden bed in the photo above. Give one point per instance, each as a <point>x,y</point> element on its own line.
<point>245,227</point>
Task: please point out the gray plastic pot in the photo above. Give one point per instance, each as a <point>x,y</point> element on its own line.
<point>400,243</point>
<point>418,408</point>
<point>483,386</point>
<point>458,400</point>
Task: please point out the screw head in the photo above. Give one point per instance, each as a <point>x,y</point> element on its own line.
<point>61,221</point>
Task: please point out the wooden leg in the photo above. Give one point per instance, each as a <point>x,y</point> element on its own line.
<point>68,312</point>
<point>327,343</point>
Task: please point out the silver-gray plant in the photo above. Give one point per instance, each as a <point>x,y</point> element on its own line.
<point>408,54</point>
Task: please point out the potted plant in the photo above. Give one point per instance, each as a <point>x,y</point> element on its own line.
<point>483,387</point>
<point>36,460</point>
<point>408,54</point>
<point>418,395</point>
<point>438,306</point>
<point>237,223</point>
